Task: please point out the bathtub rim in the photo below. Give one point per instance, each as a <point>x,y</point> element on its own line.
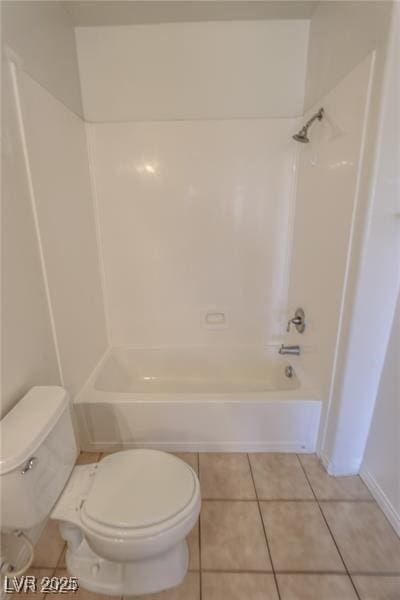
<point>90,394</point>
<point>286,400</point>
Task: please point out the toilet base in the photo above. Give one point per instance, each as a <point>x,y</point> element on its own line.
<point>151,575</point>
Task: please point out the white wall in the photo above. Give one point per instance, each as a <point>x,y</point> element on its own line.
<point>58,164</point>
<point>342,34</point>
<point>194,216</point>
<point>381,464</point>
<point>204,70</point>
<point>42,34</point>
<point>374,273</point>
<point>28,354</point>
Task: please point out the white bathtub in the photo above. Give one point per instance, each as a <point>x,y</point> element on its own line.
<point>197,399</point>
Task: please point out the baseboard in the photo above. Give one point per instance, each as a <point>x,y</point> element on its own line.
<point>383,501</point>
<point>339,470</point>
<point>285,447</point>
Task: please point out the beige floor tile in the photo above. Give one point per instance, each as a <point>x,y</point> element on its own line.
<point>194,548</point>
<point>367,542</point>
<point>279,477</point>
<point>38,574</point>
<point>298,537</point>
<point>81,594</point>
<point>232,537</point>
<point>190,458</point>
<point>226,476</point>
<point>373,587</point>
<point>238,586</point>
<point>86,458</point>
<point>327,487</point>
<point>316,587</point>
<point>188,590</point>
<point>49,547</point>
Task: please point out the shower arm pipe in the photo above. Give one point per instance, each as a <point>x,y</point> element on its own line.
<point>318,115</point>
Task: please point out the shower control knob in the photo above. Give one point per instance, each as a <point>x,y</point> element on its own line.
<point>299,321</point>
<point>29,465</point>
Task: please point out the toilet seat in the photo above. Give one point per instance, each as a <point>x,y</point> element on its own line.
<point>139,493</point>
<point>118,544</point>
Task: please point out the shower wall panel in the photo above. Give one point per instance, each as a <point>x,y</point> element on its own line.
<point>326,204</point>
<point>195,221</point>
<point>58,161</point>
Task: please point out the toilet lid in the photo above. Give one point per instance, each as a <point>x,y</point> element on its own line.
<point>139,488</point>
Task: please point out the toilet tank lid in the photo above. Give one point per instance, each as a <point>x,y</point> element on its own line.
<point>28,423</point>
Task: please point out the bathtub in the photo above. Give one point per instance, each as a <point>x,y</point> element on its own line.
<point>197,399</point>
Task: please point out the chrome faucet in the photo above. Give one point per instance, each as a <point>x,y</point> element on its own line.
<point>294,350</point>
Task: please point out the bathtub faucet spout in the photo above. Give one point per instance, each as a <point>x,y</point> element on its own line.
<point>294,350</point>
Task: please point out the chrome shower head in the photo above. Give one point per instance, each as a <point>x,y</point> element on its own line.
<point>302,135</point>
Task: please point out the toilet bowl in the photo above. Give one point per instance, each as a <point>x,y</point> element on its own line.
<point>125,519</point>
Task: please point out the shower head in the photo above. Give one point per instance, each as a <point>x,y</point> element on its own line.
<point>302,135</point>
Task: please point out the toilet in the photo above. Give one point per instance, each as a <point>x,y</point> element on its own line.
<point>125,519</point>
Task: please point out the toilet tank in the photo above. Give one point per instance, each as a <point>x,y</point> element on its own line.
<point>37,454</point>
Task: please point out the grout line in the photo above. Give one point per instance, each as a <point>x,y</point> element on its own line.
<point>352,500</point>
<point>285,572</point>
<point>375,574</point>
<point>252,571</point>
<point>264,529</point>
<point>329,529</point>
<point>229,500</point>
<point>292,500</point>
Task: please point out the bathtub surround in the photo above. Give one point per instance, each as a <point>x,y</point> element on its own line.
<point>26,321</point>
<point>58,164</point>
<point>182,153</point>
<point>195,219</point>
<point>327,193</point>
<point>41,38</point>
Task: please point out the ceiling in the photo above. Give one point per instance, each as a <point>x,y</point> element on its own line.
<point>117,12</point>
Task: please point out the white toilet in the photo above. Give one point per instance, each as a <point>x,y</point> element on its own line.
<point>125,518</point>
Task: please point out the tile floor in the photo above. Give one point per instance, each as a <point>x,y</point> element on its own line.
<point>272,527</point>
